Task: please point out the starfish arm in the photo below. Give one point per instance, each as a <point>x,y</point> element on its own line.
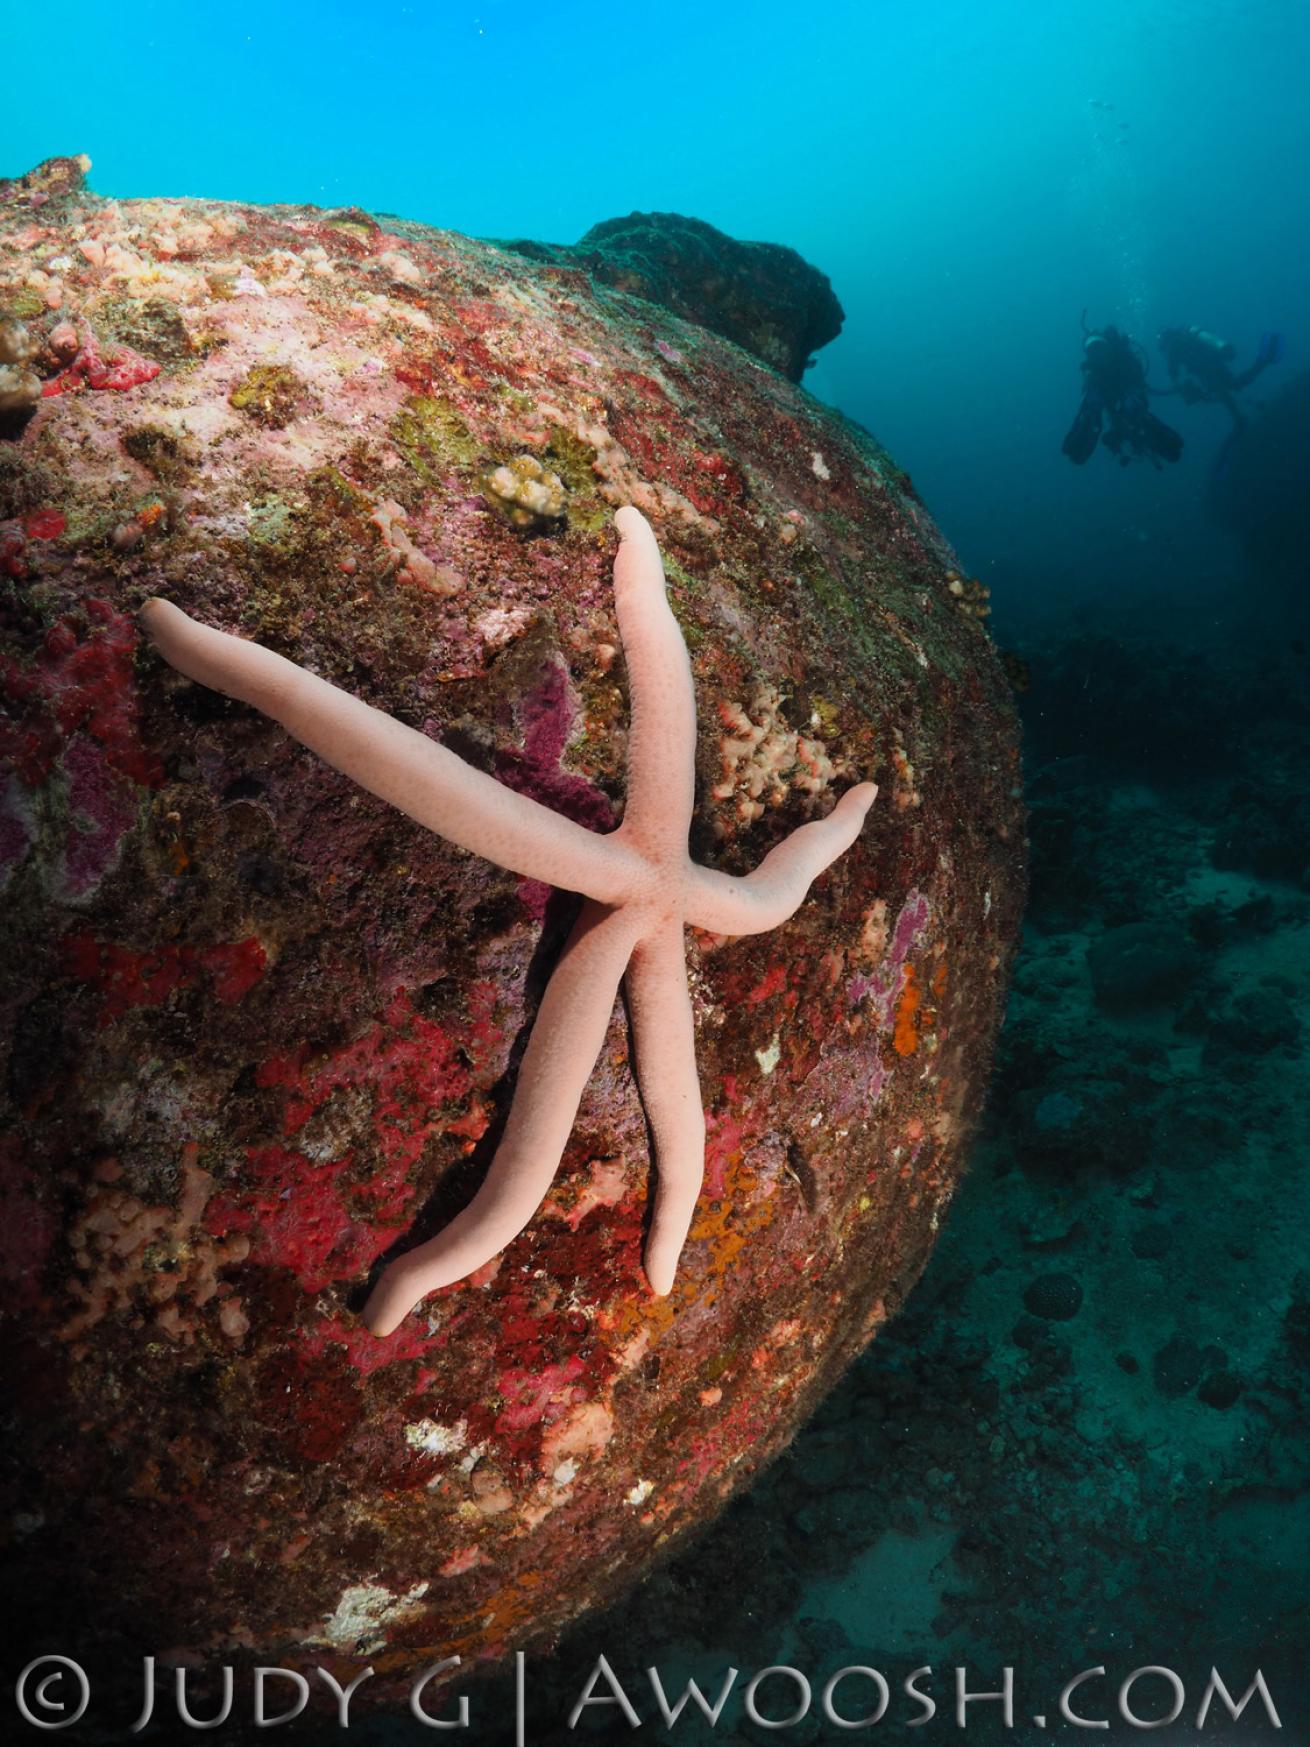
<point>662,725</point>
<point>397,763</point>
<point>766,898</point>
<point>664,1036</point>
<point>566,1038</point>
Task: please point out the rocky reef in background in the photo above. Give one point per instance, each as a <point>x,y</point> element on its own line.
<point>256,1027</point>
<point>1263,493</point>
<point>763,296</point>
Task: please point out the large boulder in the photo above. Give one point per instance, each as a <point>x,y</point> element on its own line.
<point>1143,964</point>
<point>256,1027</point>
<point>762,296</point>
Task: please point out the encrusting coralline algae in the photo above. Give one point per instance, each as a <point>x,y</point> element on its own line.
<point>260,1028</point>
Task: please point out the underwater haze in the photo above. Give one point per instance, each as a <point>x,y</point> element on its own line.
<point>971,177</point>
<point>1086,1438</point>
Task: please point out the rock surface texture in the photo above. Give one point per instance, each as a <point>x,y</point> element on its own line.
<point>259,1030</point>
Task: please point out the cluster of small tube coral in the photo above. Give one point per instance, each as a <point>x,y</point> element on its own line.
<point>35,364</point>
<point>20,386</point>
<point>527,494</point>
<point>764,759</point>
<point>971,597</point>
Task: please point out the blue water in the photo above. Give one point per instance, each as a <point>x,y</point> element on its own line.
<point>943,162</point>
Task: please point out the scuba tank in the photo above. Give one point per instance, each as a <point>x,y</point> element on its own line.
<point>1201,337</point>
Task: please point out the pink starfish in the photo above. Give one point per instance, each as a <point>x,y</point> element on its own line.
<point>640,885</point>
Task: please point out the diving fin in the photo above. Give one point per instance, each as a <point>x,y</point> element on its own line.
<point>1163,439</point>
<point>1223,461</point>
<point>1080,443</point>
<point>1272,348</point>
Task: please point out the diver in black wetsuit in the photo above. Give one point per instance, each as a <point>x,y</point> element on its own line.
<point>1114,407</point>
<point>1200,365</point>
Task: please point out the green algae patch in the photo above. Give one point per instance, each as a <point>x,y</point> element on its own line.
<point>24,483</point>
<point>433,438</point>
<point>827,717</point>
<point>362,226</point>
<point>575,463</point>
<point>160,452</point>
<point>574,460</point>
<point>271,394</point>
<point>688,588</point>
<point>91,522</point>
<point>332,494</point>
<point>25,304</point>
<point>837,601</point>
<point>272,523</point>
<point>152,326</point>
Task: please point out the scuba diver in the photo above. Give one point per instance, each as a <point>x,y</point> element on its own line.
<point>1200,365</point>
<point>1114,408</point>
